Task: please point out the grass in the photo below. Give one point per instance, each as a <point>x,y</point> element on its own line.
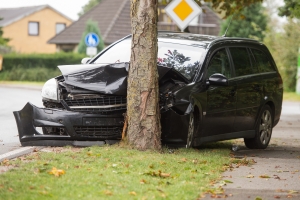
<point>291,96</point>
<point>37,74</point>
<point>113,172</point>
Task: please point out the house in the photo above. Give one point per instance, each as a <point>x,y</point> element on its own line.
<point>113,17</point>
<point>29,28</point>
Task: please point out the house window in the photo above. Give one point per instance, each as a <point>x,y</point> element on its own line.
<point>60,27</point>
<point>33,28</point>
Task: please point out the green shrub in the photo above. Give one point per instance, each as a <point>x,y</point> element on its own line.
<point>35,67</point>
<point>50,61</point>
<point>37,74</point>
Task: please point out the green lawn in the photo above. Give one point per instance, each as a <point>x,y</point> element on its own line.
<point>291,96</point>
<point>113,172</point>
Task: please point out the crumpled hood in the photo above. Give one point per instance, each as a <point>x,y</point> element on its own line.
<point>103,78</point>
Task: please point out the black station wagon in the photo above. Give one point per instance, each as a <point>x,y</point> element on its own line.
<point>211,88</point>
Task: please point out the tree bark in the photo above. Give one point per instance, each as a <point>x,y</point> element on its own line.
<point>142,94</point>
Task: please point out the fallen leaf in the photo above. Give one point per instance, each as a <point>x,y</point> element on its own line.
<point>132,193</point>
<point>165,175</point>
<point>228,181</point>
<point>293,192</point>
<point>10,189</point>
<point>143,181</point>
<point>258,198</point>
<point>183,160</point>
<point>250,176</point>
<point>277,197</point>
<point>57,172</point>
<point>108,192</point>
<point>264,176</point>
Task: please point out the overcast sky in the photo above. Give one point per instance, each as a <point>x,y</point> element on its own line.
<point>69,8</point>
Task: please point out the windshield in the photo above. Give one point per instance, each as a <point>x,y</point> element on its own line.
<point>183,58</point>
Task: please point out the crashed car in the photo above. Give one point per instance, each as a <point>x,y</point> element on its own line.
<point>211,88</point>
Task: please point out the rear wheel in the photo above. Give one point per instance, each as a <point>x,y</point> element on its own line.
<point>263,130</point>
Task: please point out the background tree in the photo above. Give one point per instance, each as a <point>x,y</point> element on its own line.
<point>3,41</point>
<point>291,8</point>
<point>251,22</point>
<point>88,6</point>
<point>91,26</point>
<point>284,48</point>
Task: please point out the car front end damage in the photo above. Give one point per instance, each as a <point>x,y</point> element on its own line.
<point>86,106</point>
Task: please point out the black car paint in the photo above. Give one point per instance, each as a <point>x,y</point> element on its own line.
<point>217,118</point>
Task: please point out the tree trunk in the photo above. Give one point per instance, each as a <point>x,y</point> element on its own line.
<point>142,94</point>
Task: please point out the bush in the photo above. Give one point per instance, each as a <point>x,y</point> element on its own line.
<point>37,74</point>
<point>35,67</point>
<point>50,61</point>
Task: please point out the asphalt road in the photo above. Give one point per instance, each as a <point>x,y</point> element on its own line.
<point>14,98</point>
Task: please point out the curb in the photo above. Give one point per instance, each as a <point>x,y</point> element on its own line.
<point>20,86</point>
<point>18,152</point>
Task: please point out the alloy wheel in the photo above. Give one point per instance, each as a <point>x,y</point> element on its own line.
<point>190,131</point>
<point>265,127</point>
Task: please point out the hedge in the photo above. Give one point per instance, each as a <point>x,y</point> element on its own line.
<point>50,61</point>
<point>35,67</point>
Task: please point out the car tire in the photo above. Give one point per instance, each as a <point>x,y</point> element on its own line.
<point>263,130</point>
<point>191,131</point>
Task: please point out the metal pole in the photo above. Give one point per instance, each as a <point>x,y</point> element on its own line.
<point>298,74</point>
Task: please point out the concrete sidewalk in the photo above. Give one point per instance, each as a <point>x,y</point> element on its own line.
<point>276,171</point>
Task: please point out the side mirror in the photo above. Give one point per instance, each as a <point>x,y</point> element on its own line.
<point>85,60</point>
<point>218,79</point>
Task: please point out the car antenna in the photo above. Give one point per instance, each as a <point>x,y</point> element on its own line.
<point>228,26</point>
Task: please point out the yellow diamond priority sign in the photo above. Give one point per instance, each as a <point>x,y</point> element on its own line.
<point>183,12</point>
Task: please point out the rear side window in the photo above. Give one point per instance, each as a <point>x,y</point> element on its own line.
<point>241,61</point>
<point>262,62</point>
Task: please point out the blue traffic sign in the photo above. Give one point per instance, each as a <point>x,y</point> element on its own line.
<point>92,40</point>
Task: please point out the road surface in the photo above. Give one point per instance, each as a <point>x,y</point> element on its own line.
<point>14,98</point>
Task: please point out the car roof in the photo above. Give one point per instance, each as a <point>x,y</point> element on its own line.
<point>198,39</point>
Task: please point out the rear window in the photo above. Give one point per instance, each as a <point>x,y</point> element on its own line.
<point>241,61</point>
<point>262,62</point>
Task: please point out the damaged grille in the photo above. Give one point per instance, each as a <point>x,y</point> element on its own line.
<point>102,104</point>
<point>103,132</point>
<point>102,101</point>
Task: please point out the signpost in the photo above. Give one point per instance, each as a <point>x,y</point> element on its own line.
<point>182,12</point>
<point>91,41</point>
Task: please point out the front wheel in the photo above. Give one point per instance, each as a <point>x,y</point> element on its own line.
<point>191,131</point>
<point>263,130</point>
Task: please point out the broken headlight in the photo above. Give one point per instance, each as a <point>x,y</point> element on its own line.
<point>49,90</point>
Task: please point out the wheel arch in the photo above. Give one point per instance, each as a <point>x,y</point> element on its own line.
<point>272,106</point>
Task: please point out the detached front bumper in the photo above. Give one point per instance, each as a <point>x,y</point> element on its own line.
<point>54,127</point>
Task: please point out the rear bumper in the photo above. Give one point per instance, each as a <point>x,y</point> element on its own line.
<point>73,128</point>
